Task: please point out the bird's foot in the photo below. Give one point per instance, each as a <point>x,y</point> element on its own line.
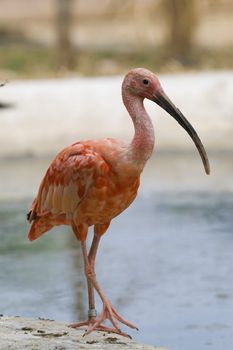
<point>100,327</point>
<point>108,313</point>
<point>87,323</point>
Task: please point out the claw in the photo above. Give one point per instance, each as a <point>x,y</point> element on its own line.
<point>109,313</point>
<point>120,319</point>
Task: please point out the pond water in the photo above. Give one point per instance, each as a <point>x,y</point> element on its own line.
<point>166,263</point>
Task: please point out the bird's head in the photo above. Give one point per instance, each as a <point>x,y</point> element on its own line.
<point>144,84</point>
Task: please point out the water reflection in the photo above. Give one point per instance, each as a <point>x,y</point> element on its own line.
<point>166,263</point>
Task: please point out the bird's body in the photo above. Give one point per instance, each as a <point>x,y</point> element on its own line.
<point>88,183</point>
<point>91,182</point>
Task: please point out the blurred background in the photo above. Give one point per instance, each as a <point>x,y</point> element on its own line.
<point>166,263</point>
<point>40,39</point>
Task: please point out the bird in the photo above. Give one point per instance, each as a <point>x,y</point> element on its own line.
<point>92,181</point>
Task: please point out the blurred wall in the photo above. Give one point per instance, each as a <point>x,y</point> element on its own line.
<point>48,115</point>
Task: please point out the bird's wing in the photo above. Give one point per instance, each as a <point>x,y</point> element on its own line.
<point>67,181</point>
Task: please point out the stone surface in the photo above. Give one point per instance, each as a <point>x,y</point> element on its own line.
<point>39,334</point>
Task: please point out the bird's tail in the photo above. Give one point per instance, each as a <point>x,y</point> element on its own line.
<point>39,226</point>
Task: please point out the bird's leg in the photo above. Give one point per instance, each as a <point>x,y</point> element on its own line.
<point>92,313</point>
<point>108,311</point>
<point>89,260</point>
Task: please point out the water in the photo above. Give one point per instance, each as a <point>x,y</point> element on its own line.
<point>166,263</point>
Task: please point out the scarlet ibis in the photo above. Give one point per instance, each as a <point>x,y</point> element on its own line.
<point>92,181</point>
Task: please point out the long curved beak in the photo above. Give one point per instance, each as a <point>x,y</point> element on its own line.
<point>163,101</point>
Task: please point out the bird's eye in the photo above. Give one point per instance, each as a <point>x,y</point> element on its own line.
<point>145,81</point>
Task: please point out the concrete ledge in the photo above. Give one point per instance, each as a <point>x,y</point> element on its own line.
<point>38,334</point>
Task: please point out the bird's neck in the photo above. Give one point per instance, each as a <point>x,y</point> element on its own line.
<point>142,144</point>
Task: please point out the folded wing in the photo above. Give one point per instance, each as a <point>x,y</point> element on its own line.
<point>65,184</point>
